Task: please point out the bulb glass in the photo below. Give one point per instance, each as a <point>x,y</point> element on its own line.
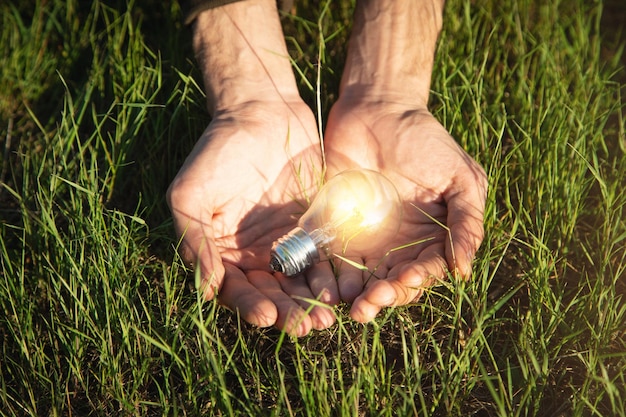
<point>356,212</point>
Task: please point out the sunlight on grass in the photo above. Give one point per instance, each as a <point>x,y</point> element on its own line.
<point>99,107</point>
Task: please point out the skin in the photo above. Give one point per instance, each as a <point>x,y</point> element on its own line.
<point>257,164</point>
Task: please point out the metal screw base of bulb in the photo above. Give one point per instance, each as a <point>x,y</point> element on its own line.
<point>293,253</point>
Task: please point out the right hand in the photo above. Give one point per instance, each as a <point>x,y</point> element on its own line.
<point>245,183</point>
<point>443,192</point>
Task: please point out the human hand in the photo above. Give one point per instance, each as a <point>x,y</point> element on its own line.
<point>243,185</point>
<point>443,191</point>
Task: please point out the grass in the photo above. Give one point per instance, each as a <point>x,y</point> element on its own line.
<point>99,104</point>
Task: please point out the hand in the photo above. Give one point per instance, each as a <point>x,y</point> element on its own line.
<point>443,191</point>
<point>243,185</point>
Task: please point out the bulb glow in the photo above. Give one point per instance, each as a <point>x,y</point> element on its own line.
<point>356,212</point>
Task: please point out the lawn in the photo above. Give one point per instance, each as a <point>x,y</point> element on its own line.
<point>101,101</point>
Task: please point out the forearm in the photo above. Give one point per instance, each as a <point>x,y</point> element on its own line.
<point>392,48</point>
<point>242,54</point>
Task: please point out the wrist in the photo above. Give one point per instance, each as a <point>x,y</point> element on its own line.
<point>391,50</point>
<point>242,54</point>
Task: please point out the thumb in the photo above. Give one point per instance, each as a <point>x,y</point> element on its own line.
<point>197,247</point>
<point>465,220</point>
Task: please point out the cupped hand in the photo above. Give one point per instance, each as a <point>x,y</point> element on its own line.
<point>443,192</point>
<point>244,184</point>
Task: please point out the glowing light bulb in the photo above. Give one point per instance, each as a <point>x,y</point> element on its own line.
<point>355,212</point>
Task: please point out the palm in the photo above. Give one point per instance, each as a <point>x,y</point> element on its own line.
<point>443,193</point>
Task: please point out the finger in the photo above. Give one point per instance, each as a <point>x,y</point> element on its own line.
<point>465,220</point>
<point>350,278</point>
<point>290,316</point>
<point>364,310</point>
<point>402,289</point>
<point>240,295</point>
<point>321,317</point>
<point>323,283</point>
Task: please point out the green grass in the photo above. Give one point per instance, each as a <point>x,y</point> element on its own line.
<point>101,101</point>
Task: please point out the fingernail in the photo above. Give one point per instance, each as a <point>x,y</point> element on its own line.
<point>325,296</point>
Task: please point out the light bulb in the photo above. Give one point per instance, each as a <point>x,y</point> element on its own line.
<point>355,212</point>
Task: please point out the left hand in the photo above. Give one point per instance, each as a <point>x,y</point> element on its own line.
<point>240,189</point>
<point>443,191</point>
